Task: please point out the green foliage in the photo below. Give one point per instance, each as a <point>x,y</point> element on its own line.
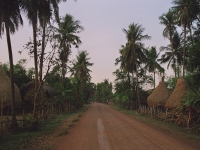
<point>171,83</point>
<point>50,126</point>
<point>193,61</point>
<point>103,91</point>
<point>193,81</point>
<point>21,75</point>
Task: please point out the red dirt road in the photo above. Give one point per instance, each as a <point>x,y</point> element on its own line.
<point>103,128</point>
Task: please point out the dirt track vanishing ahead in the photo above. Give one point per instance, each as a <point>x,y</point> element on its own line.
<point>103,128</point>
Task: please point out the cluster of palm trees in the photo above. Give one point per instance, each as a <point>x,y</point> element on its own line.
<point>184,14</point>
<point>132,57</point>
<point>40,14</point>
<point>136,60</point>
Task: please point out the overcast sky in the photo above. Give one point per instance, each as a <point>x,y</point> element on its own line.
<point>103,21</point>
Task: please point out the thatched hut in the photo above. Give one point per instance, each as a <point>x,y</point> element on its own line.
<point>159,96</point>
<point>5,92</point>
<point>178,94</point>
<point>27,93</point>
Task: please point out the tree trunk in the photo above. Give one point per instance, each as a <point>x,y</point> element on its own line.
<point>154,74</point>
<point>137,84</point>
<point>41,63</point>
<point>184,49</point>
<point>189,117</point>
<point>2,108</point>
<point>133,86</point>
<point>42,51</point>
<point>129,101</point>
<point>36,66</point>
<point>14,124</point>
<point>171,42</point>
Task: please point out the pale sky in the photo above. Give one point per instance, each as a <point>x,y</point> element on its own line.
<point>103,21</point>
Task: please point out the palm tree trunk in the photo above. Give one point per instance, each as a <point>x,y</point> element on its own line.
<point>133,86</point>
<point>171,41</point>
<point>41,62</point>
<point>154,74</point>
<point>137,84</point>
<point>36,66</point>
<point>42,51</point>
<point>35,49</point>
<point>184,49</point>
<point>129,101</point>
<point>14,120</point>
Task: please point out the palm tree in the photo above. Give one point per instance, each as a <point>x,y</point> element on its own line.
<point>66,36</point>
<point>168,20</point>
<point>134,54</point>
<point>45,15</point>
<point>186,12</point>
<point>39,10</point>
<point>122,86</point>
<point>31,8</point>
<point>127,67</point>
<point>174,58</point>
<point>10,18</point>
<point>80,72</point>
<point>42,10</point>
<point>80,69</point>
<point>152,63</point>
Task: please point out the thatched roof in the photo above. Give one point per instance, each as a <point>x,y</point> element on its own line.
<point>27,91</point>
<point>159,96</point>
<point>5,91</point>
<point>178,94</point>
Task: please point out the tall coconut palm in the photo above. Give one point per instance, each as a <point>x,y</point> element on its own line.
<point>39,10</point>
<point>186,12</point>
<point>152,65</point>
<point>31,8</point>
<point>67,36</point>
<point>80,69</point>
<point>175,57</point>
<point>45,15</point>
<point>10,18</point>
<point>126,67</point>
<point>135,55</point>
<point>81,73</point>
<point>168,20</point>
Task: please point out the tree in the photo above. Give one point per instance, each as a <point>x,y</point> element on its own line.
<point>10,18</point>
<point>66,36</point>
<point>173,57</point>
<point>168,20</point>
<point>152,63</point>
<point>186,12</point>
<point>31,9</point>
<point>80,71</point>
<point>21,76</point>
<point>45,14</point>
<point>122,88</point>
<point>135,55</point>
<point>126,66</point>
<point>103,91</point>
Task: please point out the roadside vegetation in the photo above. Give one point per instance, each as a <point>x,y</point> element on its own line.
<point>48,133</point>
<point>169,127</point>
<point>33,100</point>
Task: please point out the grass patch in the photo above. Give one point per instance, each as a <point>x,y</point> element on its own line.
<point>48,127</point>
<point>162,124</point>
<point>75,120</point>
<point>63,132</point>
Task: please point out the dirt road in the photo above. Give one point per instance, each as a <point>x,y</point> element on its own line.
<point>103,128</point>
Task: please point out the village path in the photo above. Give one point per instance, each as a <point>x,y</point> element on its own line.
<point>103,128</point>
